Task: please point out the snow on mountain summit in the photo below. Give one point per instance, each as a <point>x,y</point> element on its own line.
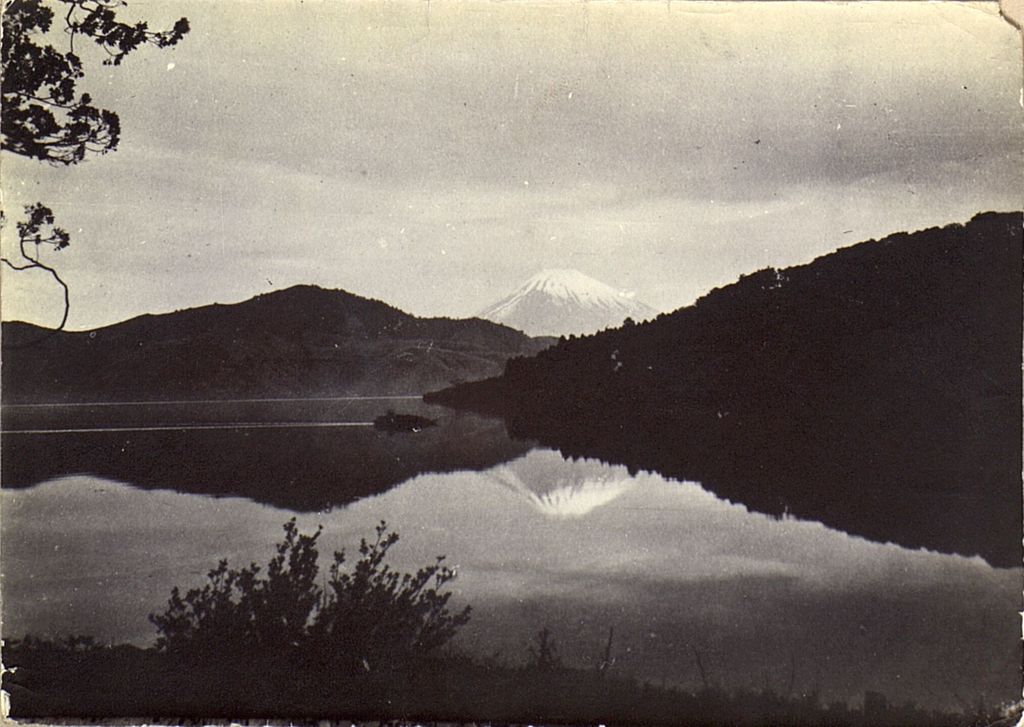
<point>574,285</point>
<point>558,302</point>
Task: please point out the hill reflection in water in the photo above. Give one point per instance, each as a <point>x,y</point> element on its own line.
<point>291,455</point>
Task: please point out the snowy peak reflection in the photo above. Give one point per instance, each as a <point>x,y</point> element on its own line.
<point>562,488</point>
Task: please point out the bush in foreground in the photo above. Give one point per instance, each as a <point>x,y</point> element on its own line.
<point>367,618</point>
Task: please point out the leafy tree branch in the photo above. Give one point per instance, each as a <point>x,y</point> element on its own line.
<point>45,117</point>
<point>34,233</point>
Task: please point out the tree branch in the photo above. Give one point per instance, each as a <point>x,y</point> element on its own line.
<point>71,27</point>
<point>40,218</point>
<point>35,264</point>
<point>12,266</point>
<point>48,101</point>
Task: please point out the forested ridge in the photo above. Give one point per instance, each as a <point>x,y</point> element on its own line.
<point>302,341</point>
<point>876,389</point>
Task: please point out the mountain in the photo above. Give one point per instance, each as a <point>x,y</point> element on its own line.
<point>299,342</point>
<point>563,303</point>
<point>876,389</point>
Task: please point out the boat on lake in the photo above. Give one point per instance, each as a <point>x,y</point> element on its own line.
<point>392,422</point>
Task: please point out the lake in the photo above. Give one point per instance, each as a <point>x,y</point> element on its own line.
<point>106,507</point>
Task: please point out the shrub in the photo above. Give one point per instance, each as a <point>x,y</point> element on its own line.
<point>543,653</point>
<point>368,619</point>
<point>375,617</point>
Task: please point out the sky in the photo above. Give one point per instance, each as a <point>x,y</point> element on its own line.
<point>436,154</point>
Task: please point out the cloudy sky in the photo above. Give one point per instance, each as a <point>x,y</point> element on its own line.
<point>435,154</point>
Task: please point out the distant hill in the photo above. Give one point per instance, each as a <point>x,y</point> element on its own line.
<point>563,303</point>
<point>303,341</point>
<point>876,389</point>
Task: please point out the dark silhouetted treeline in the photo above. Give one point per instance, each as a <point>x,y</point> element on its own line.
<point>303,341</point>
<point>876,389</point>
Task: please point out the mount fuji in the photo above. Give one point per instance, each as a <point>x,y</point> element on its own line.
<point>565,302</point>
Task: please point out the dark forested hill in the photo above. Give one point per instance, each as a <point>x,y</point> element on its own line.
<point>303,341</point>
<point>876,389</point>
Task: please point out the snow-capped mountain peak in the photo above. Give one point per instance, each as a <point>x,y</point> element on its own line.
<point>566,283</point>
<point>558,302</point>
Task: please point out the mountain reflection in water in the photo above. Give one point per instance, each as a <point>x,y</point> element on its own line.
<point>577,546</point>
<point>558,490</point>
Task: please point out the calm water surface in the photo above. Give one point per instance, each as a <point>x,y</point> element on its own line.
<point>537,540</point>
